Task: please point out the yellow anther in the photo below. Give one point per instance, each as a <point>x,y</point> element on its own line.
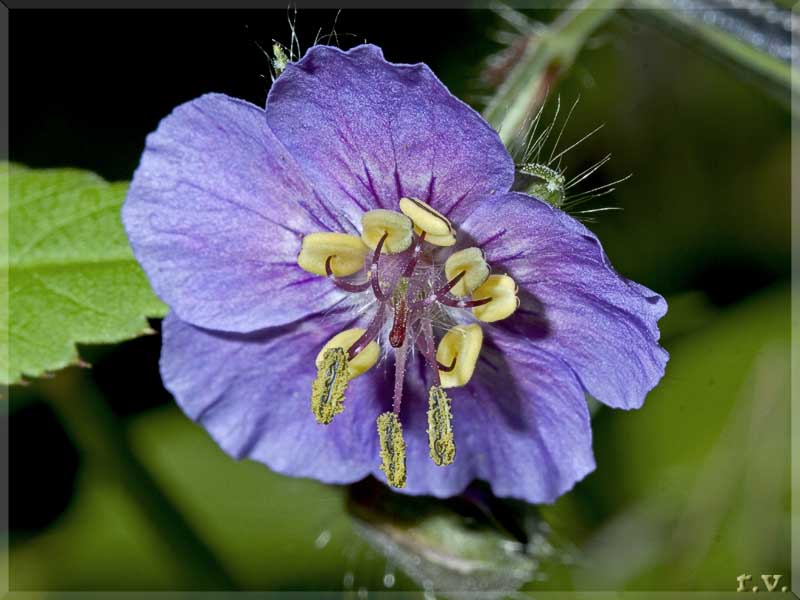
<point>440,428</point>
<point>503,292</point>
<point>361,362</point>
<point>376,223</point>
<point>428,219</point>
<point>462,344</point>
<point>476,270</point>
<point>327,391</point>
<point>393,449</point>
<point>438,240</point>
<point>348,252</point>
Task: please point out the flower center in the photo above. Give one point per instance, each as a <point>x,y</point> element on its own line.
<point>399,267</point>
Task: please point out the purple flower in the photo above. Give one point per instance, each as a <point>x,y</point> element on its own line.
<point>354,290</point>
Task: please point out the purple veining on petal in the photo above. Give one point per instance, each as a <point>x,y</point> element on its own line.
<point>216,214</point>
<point>250,391</point>
<point>532,442</point>
<point>599,323</point>
<point>344,113</point>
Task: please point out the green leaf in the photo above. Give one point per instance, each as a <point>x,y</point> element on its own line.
<point>270,532</point>
<point>69,271</point>
<point>699,478</point>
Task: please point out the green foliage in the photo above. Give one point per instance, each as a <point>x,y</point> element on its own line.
<point>549,53</point>
<point>698,479</point>
<point>270,532</point>
<point>67,267</point>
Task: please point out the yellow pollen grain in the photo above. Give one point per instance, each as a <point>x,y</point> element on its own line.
<point>462,344</point>
<point>428,219</point>
<point>361,362</point>
<point>327,391</point>
<point>396,226</point>
<point>502,289</point>
<point>348,252</point>
<point>440,428</point>
<point>474,265</point>
<point>393,449</point>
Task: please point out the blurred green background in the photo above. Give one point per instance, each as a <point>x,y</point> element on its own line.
<point>689,492</point>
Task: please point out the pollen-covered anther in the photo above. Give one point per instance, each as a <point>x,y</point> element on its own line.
<point>358,364</point>
<point>393,449</point>
<point>327,391</point>
<point>347,253</point>
<point>474,265</point>
<point>396,226</point>
<point>440,427</point>
<point>438,229</point>
<point>460,347</point>
<point>502,290</point>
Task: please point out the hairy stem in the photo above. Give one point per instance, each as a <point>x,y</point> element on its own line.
<point>550,52</point>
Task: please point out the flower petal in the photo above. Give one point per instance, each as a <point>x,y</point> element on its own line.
<point>374,131</point>
<point>573,304</point>
<point>252,393</point>
<point>522,424</point>
<point>215,215</point>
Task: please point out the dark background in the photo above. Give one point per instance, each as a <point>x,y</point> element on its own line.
<point>705,222</point>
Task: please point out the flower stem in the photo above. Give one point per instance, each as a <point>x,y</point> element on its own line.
<point>551,51</point>
<point>102,440</point>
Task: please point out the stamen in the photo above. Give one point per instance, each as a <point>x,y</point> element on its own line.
<point>396,226</point>
<point>437,240</point>
<point>497,297</point>
<point>448,368</point>
<point>412,263</point>
<point>440,427</point>
<point>425,217</point>
<point>362,354</point>
<point>442,291</point>
<point>393,449</point>
<point>346,251</point>
<point>373,270</point>
<point>426,345</point>
<point>371,332</point>
<point>347,286</point>
<point>437,294</point>
<point>471,262</point>
<point>461,344</point>
<point>448,301</point>
<point>327,391</point>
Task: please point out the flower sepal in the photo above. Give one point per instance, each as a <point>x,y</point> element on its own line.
<point>473,542</point>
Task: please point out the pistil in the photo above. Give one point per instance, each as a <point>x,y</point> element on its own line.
<point>400,355</point>
<point>411,297</point>
<point>439,293</point>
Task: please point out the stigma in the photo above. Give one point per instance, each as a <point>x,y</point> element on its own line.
<point>413,289</point>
